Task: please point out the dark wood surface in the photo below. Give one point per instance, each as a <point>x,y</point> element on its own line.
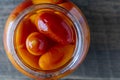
<point>103,59</point>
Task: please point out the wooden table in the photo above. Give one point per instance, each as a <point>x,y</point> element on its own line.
<point>103,59</point>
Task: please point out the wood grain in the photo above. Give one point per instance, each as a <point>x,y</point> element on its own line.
<point>103,59</point>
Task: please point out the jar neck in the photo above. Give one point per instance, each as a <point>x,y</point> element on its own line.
<point>78,48</point>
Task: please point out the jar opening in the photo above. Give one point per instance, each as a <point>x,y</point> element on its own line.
<point>73,62</point>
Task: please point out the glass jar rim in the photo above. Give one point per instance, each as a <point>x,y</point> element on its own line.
<point>78,48</point>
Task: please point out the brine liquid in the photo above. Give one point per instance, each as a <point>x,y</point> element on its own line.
<point>45,40</point>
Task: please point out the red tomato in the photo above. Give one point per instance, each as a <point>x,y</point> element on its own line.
<point>53,26</point>
<point>36,43</point>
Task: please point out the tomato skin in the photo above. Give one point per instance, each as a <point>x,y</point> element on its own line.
<point>37,43</point>
<point>56,57</point>
<point>53,26</point>
<point>67,5</point>
<point>48,1</point>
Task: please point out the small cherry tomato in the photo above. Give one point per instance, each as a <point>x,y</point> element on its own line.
<point>36,43</point>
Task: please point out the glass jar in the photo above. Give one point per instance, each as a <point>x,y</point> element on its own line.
<point>82,35</point>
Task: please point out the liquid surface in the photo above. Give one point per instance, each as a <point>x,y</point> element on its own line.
<point>45,40</point>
